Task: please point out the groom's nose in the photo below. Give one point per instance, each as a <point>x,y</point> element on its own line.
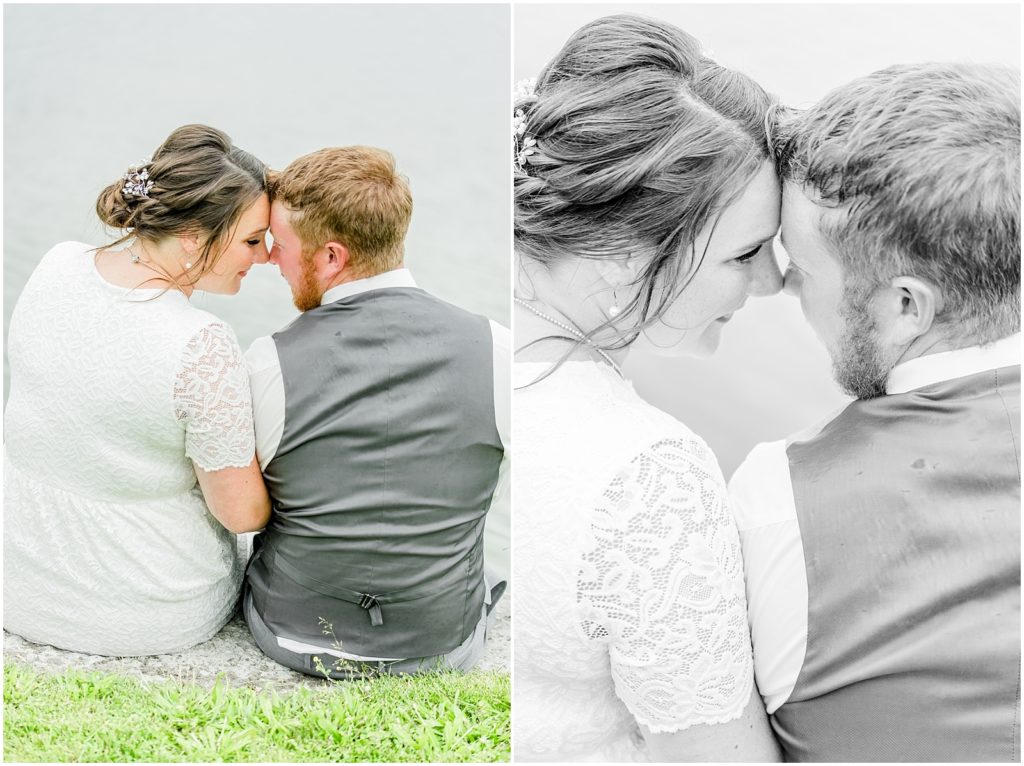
<point>765,279</point>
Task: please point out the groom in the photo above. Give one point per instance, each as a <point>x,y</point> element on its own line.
<point>882,549</point>
<point>381,419</point>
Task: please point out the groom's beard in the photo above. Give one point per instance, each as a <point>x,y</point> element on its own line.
<point>859,365</point>
<point>308,293</point>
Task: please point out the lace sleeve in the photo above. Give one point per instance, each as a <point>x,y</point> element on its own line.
<point>662,585</point>
<point>213,402</point>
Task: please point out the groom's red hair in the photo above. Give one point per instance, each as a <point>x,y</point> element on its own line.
<point>919,168</point>
<point>352,195</point>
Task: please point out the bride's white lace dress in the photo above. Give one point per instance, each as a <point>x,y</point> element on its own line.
<point>109,547</point>
<point>629,591</point>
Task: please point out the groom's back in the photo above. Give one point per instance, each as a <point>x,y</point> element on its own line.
<point>383,475</point>
<point>908,510</point>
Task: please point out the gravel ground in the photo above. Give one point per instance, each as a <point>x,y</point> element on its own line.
<point>231,654</point>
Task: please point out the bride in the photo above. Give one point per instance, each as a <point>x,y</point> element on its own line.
<point>129,455</point>
<point>645,205</point>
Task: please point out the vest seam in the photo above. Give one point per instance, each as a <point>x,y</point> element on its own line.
<point>496,435</point>
<point>807,561</point>
<point>1009,421</point>
<point>387,443</point>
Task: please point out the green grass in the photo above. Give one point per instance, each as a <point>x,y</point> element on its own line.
<point>94,717</point>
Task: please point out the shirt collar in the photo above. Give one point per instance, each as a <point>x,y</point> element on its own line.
<point>393,278</point>
<point>948,365</point>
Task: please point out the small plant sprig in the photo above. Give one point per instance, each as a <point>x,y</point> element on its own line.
<point>349,669</point>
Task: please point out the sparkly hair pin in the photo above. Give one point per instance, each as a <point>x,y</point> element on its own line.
<point>523,144</point>
<point>136,180</point>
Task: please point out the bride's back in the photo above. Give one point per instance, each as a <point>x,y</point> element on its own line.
<point>100,371</point>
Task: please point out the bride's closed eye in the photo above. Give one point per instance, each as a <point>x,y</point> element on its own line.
<point>749,256</point>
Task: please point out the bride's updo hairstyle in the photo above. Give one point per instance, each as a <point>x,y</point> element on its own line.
<point>640,141</point>
<point>201,184</point>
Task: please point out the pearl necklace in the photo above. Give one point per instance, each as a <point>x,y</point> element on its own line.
<point>573,331</point>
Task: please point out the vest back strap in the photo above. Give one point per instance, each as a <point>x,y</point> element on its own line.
<point>368,601</point>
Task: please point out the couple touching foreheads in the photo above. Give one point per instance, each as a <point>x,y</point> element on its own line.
<point>366,439</point>
<point>859,582</point>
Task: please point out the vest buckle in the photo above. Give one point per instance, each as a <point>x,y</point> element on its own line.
<point>371,604</point>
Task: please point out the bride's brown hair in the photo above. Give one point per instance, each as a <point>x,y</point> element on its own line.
<point>641,140</point>
<point>202,183</point>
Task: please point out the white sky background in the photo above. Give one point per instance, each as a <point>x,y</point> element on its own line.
<point>770,376</point>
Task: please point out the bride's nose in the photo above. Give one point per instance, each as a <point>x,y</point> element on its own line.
<point>766,279</point>
<point>260,255</point>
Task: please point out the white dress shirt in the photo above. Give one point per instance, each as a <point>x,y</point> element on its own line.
<point>765,511</point>
<point>268,400</point>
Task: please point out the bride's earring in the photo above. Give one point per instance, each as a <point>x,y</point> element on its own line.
<point>189,254</point>
<point>614,310</point>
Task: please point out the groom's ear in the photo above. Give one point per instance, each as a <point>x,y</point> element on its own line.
<point>909,307</point>
<point>335,259</point>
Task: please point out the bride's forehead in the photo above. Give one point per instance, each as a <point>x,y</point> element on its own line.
<point>760,200</point>
<point>259,209</point>
<point>752,217</point>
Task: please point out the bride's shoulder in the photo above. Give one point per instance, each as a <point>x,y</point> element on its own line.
<point>189,332</point>
<point>591,399</point>
<point>658,449</point>
<point>71,247</point>
<point>666,434</point>
<point>201,328</point>
<point>68,256</point>
<point>60,268</point>
<point>674,450</point>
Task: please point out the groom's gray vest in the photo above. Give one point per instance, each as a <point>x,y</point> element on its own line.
<point>383,477</point>
<point>909,512</point>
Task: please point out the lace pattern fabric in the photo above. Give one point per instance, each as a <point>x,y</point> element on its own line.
<point>212,400</point>
<point>629,589</point>
<point>663,587</point>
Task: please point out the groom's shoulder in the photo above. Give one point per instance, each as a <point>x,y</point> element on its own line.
<point>455,309</point>
<point>771,452</point>
<point>502,336</point>
<point>760,489</point>
<point>261,355</point>
<point>818,428</point>
<point>452,317</point>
